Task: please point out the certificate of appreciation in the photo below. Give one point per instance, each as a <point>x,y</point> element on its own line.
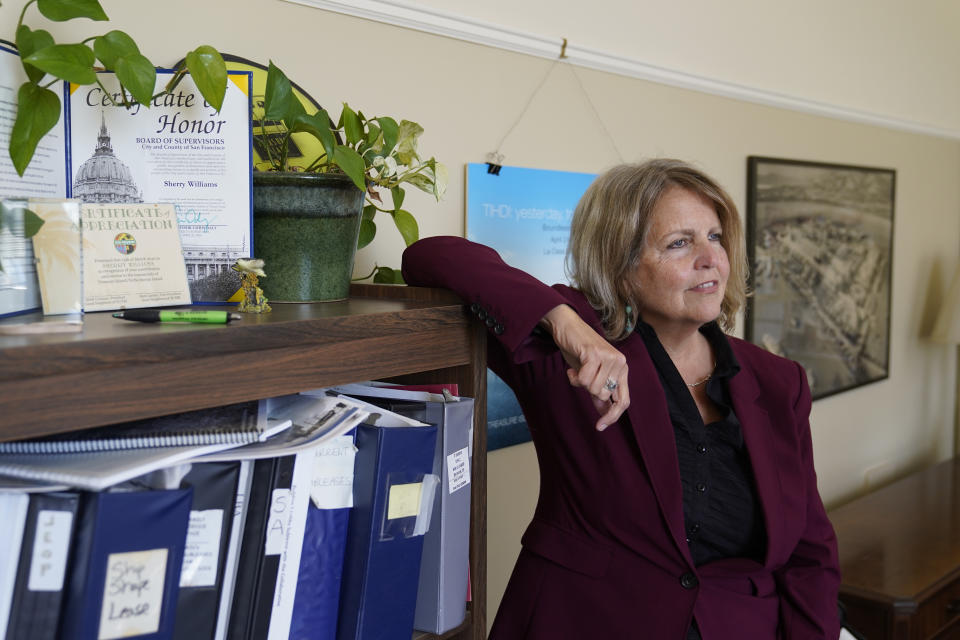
<point>132,257</point>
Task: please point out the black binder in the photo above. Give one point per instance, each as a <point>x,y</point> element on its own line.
<point>36,608</point>
<point>214,489</point>
<point>257,571</point>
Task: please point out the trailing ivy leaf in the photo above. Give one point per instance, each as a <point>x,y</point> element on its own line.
<point>368,212</point>
<point>407,226</point>
<point>440,178</point>
<point>209,72</point>
<point>423,181</point>
<point>373,133</point>
<point>277,95</point>
<point>112,45</point>
<point>407,142</point>
<point>31,223</point>
<point>398,195</point>
<point>317,125</point>
<point>386,275</point>
<point>368,231</point>
<point>352,165</point>
<point>390,130</point>
<point>38,111</point>
<point>29,41</point>
<point>70,62</point>
<point>295,111</point>
<point>138,75</point>
<point>63,10</point>
<point>351,124</point>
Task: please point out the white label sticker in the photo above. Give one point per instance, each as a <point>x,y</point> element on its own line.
<point>458,470</point>
<point>279,522</point>
<point>48,563</point>
<point>133,594</point>
<point>202,551</point>
<point>332,484</point>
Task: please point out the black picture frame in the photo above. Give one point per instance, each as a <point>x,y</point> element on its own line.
<point>820,248</point>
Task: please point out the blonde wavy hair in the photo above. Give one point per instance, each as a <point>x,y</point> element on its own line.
<point>609,230</point>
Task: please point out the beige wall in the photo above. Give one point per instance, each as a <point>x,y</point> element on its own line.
<point>467,97</point>
<point>876,56</point>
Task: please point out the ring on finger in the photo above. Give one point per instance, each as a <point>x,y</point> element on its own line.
<point>611,385</point>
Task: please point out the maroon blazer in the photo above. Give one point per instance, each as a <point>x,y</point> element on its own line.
<point>606,554</point>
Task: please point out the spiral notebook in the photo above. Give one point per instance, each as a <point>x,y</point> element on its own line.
<point>236,424</point>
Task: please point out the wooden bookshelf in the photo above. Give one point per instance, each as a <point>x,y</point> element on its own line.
<point>114,371</point>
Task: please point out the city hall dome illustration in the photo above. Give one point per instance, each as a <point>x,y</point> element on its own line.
<point>104,177</point>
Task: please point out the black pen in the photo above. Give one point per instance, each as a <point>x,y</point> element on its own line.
<point>162,315</point>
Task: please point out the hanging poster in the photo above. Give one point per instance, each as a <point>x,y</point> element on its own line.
<point>525,215</point>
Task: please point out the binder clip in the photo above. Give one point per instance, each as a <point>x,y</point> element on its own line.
<point>494,161</point>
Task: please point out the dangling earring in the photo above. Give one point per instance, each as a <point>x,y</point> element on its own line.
<point>629,311</point>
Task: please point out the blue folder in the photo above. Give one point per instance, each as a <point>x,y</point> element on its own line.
<point>382,565</point>
<point>128,551</point>
<point>321,572</point>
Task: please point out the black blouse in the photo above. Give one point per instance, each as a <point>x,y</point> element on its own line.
<point>720,506</point>
<point>721,510</point>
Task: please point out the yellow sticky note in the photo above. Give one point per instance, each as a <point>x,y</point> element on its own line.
<point>404,500</point>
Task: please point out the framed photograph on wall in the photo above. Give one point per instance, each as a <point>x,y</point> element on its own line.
<point>820,245</point>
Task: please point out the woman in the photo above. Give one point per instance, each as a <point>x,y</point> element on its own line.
<point>678,497</point>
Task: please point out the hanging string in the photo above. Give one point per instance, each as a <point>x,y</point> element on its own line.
<point>495,158</point>
<point>596,114</point>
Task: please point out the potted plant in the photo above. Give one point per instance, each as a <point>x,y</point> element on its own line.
<point>309,222</point>
<point>38,107</point>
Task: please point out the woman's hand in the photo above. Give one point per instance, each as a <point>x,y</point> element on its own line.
<point>595,365</point>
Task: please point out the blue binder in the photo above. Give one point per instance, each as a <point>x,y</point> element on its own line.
<point>128,551</point>
<point>382,565</point>
<point>442,591</point>
<point>321,572</point>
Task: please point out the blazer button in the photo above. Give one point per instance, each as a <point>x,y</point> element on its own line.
<point>482,313</point>
<point>498,329</point>
<point>475,307</point>
<point>490,321</point>
<point>688,581</point>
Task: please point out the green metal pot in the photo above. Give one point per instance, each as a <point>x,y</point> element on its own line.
<point>305,227</point>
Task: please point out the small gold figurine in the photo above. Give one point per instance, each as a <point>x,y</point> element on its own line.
<point>251,270</point>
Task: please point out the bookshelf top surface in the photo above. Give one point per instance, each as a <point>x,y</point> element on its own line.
<point>117,370</point>
<point>103,339</point>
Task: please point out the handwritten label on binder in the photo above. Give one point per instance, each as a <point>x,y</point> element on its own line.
<point>278,522</point>
<point>133,594</point>
<point>48,562</point>
<point>332,483</point>
<point>202,551</point>
<point>458,470</point>
<point>404,500</point>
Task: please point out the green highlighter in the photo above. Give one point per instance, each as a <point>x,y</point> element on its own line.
<point>160,315</point>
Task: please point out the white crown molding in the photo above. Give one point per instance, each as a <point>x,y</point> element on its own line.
<point>407,14</point>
